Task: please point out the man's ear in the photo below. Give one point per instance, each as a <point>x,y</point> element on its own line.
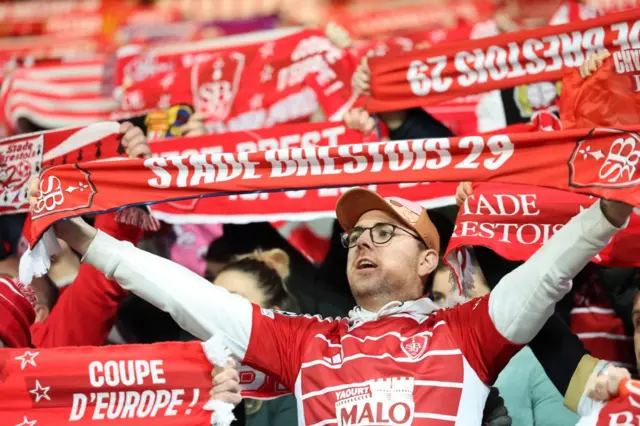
<point>428,262</point>
<point>42,312</point>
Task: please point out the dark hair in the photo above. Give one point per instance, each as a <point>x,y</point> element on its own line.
<point>270,269</point>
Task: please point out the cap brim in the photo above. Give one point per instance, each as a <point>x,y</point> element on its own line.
<point>356,202</point>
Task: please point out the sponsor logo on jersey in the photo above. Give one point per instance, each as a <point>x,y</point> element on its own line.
<point>382,402</point>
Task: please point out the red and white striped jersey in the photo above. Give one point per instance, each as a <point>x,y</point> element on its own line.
<point>410,366</point>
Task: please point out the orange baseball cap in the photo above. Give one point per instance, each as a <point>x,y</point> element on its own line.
<point>356,202</point>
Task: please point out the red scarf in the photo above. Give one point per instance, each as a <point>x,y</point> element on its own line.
<point>588,161</point>
<point>426,77</point>
<point>514,221</point>
<point>279,205</point>
<point>23,157</point>
<point>249,86</point>
<point>116,385</point>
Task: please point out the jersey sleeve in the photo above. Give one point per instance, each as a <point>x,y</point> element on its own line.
<point>484,348</point>
<point>278,341</point>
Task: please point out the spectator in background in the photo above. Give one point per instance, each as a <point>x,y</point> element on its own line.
<point>260,277</point>
<point>16,313</point>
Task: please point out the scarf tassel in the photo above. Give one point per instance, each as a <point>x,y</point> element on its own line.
<point>139,217</point>
<point>217,355</point>
<point>36,260</point>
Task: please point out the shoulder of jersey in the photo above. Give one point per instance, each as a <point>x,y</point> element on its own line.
<point>272,312</point>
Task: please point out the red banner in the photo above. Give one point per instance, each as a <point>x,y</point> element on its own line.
<point>515,221</point>
<point>430,76</point>
<point>594,162</point>
<point>115,385</point>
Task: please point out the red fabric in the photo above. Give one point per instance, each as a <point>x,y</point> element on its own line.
<point>515,221</point>
<point>281,205</point>
<point>248,86</point>
<point>85,312</point>
<point>470,66</point>
<point>500,158</point>
<point>609,97</point>
<point>623,410</point>
<point>361,372</point>
<point>23,157</point>
<point>164,383</point>
<point>16,313</point>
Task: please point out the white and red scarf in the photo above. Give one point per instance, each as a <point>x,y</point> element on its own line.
<point>623,410</point>
<point>516,220</point>
<point>431,76</point>
<point>590,161</point>
<point>162,383</point>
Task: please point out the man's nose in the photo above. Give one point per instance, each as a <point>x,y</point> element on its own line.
<point>364,240</point>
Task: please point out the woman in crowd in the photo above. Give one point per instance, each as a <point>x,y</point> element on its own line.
<point>261,278</point>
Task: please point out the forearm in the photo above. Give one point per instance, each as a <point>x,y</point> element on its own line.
<point>194,303</point>
<point>524,299</point>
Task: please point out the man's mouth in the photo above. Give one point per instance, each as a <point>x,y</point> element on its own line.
<point>365,263</point>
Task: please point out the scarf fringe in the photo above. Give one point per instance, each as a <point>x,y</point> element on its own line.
<point>36,261</point>
<point>217,355</point>
<point>139,217</point>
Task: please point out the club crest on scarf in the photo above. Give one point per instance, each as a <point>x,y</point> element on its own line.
<point>56,198</point>
<point>605,162</point>
<point>216,84</point>
<point>18,161</point>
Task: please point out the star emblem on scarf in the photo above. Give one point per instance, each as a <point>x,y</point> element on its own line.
<point>167,81</point>
<point>27,358</point>
<point>266,49</point>
<point>266,74</point>
<point>165,101</point>
<point>81,187</point>
<point>41,392</point>
<point>256,101</point>
<point>26,422</point>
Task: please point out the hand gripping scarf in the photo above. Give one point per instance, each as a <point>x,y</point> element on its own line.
<point>622,410</point>
<point>430,76</point>
<point>158,384</point>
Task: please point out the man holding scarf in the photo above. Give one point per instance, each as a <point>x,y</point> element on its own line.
<point>421,365</point>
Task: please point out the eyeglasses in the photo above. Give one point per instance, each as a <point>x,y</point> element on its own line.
<point>380,233</point>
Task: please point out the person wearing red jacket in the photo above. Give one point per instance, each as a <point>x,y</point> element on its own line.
<point>16,313</point>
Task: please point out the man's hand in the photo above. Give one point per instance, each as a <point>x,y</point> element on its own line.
<point>194,125</point>
<point>463,192</point>
<point>77,233</point>
<point>362,78</point>
<point>593,62</point>
<point>226,384</point>
<point>604,386</point>
<point>359,119</point>
<point>337,35</point>
<point>134,141</point>
<point>616,213</point>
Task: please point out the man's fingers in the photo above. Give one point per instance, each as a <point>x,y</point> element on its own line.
<point>126,126</point>
<point>140,151</point>
<point>228,374</point>
<point>133,135</point>
<point>227,386</point>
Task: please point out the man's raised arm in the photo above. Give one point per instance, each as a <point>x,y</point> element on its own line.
<point>195,304</point>
<point>524,299</point>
